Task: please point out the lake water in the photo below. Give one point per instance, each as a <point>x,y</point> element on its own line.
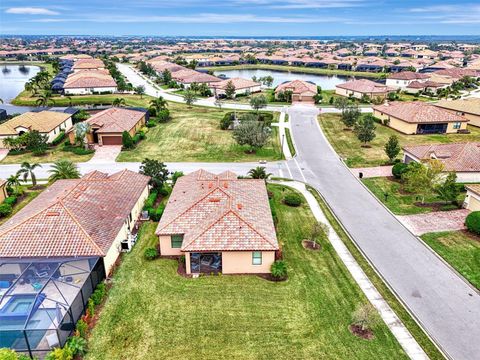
<point>327,82</point>
<point>12,82</point>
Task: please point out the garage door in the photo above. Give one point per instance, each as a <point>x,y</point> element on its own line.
<point>111,140</point>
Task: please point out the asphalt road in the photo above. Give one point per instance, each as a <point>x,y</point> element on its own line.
<point>446,306</point>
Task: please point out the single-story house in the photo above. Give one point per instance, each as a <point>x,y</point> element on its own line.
<point>3,190</point>
<point>417,86</point>
<point>462,158</point>
<point>88,64</point>
<point>302,91</point>
<point>472,200</point>
<point>402,79</point>
<point>189,76</point>
<point>242,86</point>
<point>363,87</point>
<point>87,217</point>
<point>219,223</point>
<point>468,108</point>
<point>49,123</point>
<point>88,82</point>
<point>107,126</point>
<point>417,117</point>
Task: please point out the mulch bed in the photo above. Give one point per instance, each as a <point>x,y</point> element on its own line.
<point>436,206</point>
<point>269,277</point>
<point>471,235</point>
<point>365,334</point>
<point>310,245</point>
<point>37,187</point>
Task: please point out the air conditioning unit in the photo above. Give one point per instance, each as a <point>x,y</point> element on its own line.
<point>125,245</point>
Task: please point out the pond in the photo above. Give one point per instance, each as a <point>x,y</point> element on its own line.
<point>327,82</point>
<point>12,82</point>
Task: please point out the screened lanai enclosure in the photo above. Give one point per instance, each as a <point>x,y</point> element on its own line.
<point>41,301</point>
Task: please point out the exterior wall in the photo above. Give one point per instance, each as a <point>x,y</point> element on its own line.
<point>132,131</point>
<point>468,177</point>
<point>114,251</point>
<point>451,130</point>
<point>3,191</point>
<point>358,95</point>
<point>240,262</point>
<point>474,119</point>
<point>397,124</point>
<point>253,89</point>
<point>86,91</point>
<point>472,201</point>
<point>166,248</point>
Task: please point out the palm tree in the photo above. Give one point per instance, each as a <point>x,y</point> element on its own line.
<point>45,98</point>
<point>158,104</point>
<point>259,173</point>
<point>118,102</point>
<point>63,169</point>
<point>26,169</point>
<point>13,181</point>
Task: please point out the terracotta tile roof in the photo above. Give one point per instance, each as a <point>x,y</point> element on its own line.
<point>189,76</point>
<point>298,87</point>
<point>408,75</point>
<point>469,106</point>
<point>89,79</point>
<point>475,188</point>
<point>461,157</point>
<point>219,213</point>
<point>418,112</point>
<point>43,122</point>
<point>424,84</point>
<point>78,217</point>
<point>115,120</point>
<point>88,63</point>
<point>239,83</point>
<point>365,86</point>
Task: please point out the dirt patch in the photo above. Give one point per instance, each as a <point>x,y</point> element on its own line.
<point>366,146</point>
<point>310,245</point>
<point>37,187</point>
<point>471,235</point>
<point>435,206</point>
<point>365,334</point>
<point>269,277</point>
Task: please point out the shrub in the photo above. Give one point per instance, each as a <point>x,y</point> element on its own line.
<point>11,200</point>
<point>163,115</point>
<point>164,191</point>
<point>151,123</point>
<point>273,211</point>
<point>449,207</point>
<point>136,139</point>
<point>5,209</point>
<point>227,121</point>
<point>156,214</point>
<point>150,200</point>
<point>82,328</point>
<point>91,308</point>
<point>8,354</point>
<point>398,169</point>
<point>292,200</point>
<point>150,253</point>
<point>79,150</point>
<point>279,269</point>
<point>60,354</point>
<point>127,140</point>
<point>99,294</point>
<point>77,345</point>
<point>59,138</point>
<point>473,222</point>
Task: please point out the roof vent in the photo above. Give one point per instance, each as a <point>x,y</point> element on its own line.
<point>225,185</point>
<point>210,185</point>
<point>214,199</point>
<point>239,206</point>
<point>52,213</point>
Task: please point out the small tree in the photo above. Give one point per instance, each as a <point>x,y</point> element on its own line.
<point>189,97</point>
<point>26,169</point>
<point>127,140</point>
<point>81,130</point>
<point>392,147</point>
<point>364,128</point>
<point>340,103</point>
<point>166,76</point>
<point>118,102</point>
<point>365,316</point>
<point>157,171</point>
<point>420,179</point>
<point>252,133</point>
<point>230,90</point>
<point>350,115</point>
<point>259,173</point>
<point>448,190</point>
<point>319,230</point>
<point>140,90</point>
<point>258,102</point>
<point>35,142</point>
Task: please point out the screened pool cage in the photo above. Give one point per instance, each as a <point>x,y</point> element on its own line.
<point>41,301</point>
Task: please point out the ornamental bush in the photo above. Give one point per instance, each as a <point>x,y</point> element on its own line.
<point>163,115</point>
<point>279,269</point>
<point>150,253</point>
<point>292,200</point>
<point>398,169</point>
<point>472,222</point>
<point>5,209</point>
<point>11,200</point>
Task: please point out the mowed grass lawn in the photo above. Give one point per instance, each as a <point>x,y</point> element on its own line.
<point>194,134</point>
<point>349,147</point>
<point>52,155</point>
<point>153,313</point>
<point>400,202</point>
<point>460,249</point>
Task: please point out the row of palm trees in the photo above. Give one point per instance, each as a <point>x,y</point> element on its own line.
<point>62,169</point>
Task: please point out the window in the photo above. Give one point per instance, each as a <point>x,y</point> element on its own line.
<point>176,241</point>
<point>456,125</point>
<point>256,258</point>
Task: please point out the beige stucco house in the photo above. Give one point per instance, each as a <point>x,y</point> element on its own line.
<point>302,91</point>
<point>78,218</point>
<point>219,223</point>
<point>363,87</point>
<point>242,87</point>
<point>49,123</point>
<point>472,200</point>
<point>417,117</point>
<point>468,108</point>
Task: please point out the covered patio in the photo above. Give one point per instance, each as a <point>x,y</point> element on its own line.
<point>206,263</point>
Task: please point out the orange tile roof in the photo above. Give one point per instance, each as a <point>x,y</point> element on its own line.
<point>88,63</point>
<point>408,75</point>
<point>116,120</point>
<point>418,112</point>
<point>239,83</point>
<point>461,157</point>
<point>365,86</point>
<point>89,79</point>
<point>79,217</point>
<point>219,213</point>
<point>298,87</point>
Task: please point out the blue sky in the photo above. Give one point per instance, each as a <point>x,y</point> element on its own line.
<point>240,17</point>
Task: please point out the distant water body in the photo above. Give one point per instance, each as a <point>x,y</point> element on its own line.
<point>12,82</point>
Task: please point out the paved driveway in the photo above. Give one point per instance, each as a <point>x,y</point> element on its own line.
<point>435,221</point>
<point>376,171</point>
<point>446,306</point>
<point>105,153</point>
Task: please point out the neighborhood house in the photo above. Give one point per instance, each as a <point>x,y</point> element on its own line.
<point>219,223</point>
<point>417,117</point>
<point>363,87</point>
<point>468,108</point>
<point>49,123</point>
<point>301,91</point>
<point>472,200</point>
<point>242,87</point>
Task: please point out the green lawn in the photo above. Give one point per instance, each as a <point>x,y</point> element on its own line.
<point>152,312</point>
<point>296,69</point>
<point>193,134</point>
<point>291,147</point>
<point>52,155</point>
<point>460,249</point>
<point>398,201</point>
<point>26,98</point>
<point>349,147</point>
<point>28,196</point>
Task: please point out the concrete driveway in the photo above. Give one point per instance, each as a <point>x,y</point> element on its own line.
<point>446,306</point>
<point>105,153</point>
<point>435,221</point>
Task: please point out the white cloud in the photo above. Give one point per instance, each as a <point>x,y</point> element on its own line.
<point>31,11</point>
